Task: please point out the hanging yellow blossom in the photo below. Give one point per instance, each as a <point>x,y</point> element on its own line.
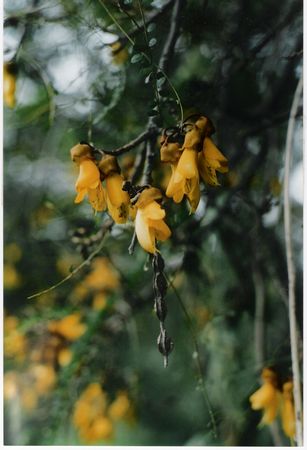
<point>267,397</point>
<point>9,85</point>
<point>210,161</point>
<point>185,179</point>
<point>88,181</point>
<point>198,156</point>
<point>118,201</point>
<point>69,327</point>
<point>149,223</point>
<point>287,410</point>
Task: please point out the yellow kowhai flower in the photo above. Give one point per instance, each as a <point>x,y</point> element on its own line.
<point>88,181</point>
<point>118,201</point>
<point>194,137</point>
<point>210,161</point>
<point>9,85</point>
<point>267,397</point>
<point>149,223</point>
<point>287,410</point>
<point>69,327</point>
<point>185,179</point>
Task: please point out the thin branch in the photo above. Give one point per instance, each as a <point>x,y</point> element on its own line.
<point>138,140</point>
<point>138,28</point>
<point>291,266</point>
<point>170,42</point>
<point>116,22</point>
<point>107,226</point>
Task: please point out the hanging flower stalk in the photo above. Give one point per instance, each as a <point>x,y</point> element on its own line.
<point>165,343</point>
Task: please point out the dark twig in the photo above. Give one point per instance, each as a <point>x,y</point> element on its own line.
<point>106,226</point>
<point>152,131</point>
<point>139,26</point>
<point>170,42</point>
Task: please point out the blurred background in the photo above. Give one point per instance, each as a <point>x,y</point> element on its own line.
<point>81,362</point>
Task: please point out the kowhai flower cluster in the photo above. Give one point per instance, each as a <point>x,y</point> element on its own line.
<point>274,400</point>
<point>192,156</point>
<point>197,157</point>
<point>146,211</point>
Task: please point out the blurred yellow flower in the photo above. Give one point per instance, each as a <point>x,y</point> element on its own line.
<point>267,397</point>
<point>210,160</point>
<point>102,276</point>
<point>149,223</point>
<point>101,428</point>
<point>99,301</point>
<point>15,342</point>
<point>64,356</point>
<point>12,252</point>
<point>11,278</point>
<point>119,53</point>
<point>287,410</point>
<point>9,86</point>
<point>69,327</point>
<point>10,385</point>
<point>89,415</point>
<point>44,378</point>
<point>120,407</point>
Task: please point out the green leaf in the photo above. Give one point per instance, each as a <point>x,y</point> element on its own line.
<point>147,79</point>
<point>152,42</point>
<point>136,58</point>
<point>151,27</point>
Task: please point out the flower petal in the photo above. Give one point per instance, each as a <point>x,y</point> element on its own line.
<point>89,176</point>
<point>211,151</point>
<point>160,229</point>
<point>80,196</point>
<point>187,165</point>
<point>96,198</point>
<point>153,211</point>
<point>115,193</point>
<point>144,234</point>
